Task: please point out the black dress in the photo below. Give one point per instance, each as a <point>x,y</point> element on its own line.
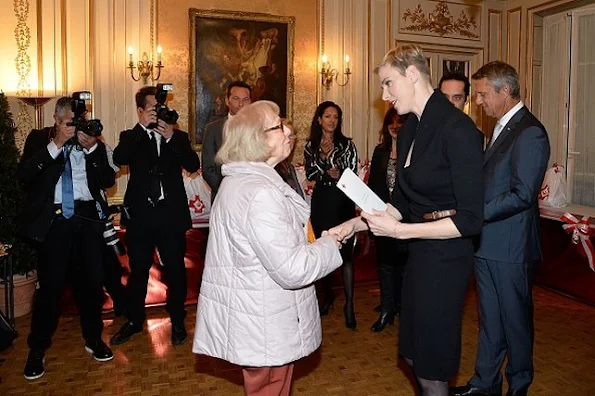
<point>445,172</point>
<point>330,206</point>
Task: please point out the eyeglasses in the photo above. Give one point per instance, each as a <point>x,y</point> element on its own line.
<point>280,126</point>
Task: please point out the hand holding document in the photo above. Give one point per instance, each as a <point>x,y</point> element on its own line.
<point>359,192</point>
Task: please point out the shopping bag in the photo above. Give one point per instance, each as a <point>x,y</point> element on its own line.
<point>553,189</point>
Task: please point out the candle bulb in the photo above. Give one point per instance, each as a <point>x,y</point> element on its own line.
<point>323,62</point>
<point>347,63</point>
<point>159,50</point>
<point>130,51</point>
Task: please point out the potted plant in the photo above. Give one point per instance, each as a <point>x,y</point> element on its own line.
<point>24,258</point>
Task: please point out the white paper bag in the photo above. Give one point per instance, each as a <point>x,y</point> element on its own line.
<point>198,193</point>
<point>553,189</point>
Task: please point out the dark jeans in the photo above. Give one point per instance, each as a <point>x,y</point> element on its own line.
<point>71,250</point>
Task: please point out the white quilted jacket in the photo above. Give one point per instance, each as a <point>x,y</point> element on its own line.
<point>257,305</point>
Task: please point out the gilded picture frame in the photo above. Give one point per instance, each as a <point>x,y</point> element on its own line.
<point>232,45</point>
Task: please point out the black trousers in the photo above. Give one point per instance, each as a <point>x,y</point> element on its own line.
<point>71,250</point>
<point>142,237</point>
<point>113,272</point>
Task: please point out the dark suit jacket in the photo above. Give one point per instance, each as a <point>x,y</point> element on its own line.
<point>135,150</point>
<point>445,169</point>
<point>212,142</point>
<point>513,170</point>
<point>39,173</point>
<point>378,167</point>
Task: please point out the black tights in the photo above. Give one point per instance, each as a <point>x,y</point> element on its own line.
<point>429,387</point>
<point>348,276</point>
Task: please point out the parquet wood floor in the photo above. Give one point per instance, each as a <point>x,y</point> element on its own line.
<point>349,363</point>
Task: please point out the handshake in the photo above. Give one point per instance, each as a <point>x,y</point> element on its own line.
<point>386,223</point>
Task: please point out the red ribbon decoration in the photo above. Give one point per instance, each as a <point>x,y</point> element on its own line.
<point>581,231</point>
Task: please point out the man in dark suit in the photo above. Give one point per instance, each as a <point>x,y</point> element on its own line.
<point>238,95</point>
<point>64,173</point>
<point>455,86</point>
<point>514,165</point>
<point>156,153</point>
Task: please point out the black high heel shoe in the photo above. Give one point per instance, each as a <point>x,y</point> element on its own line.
<point>350,321</point>
<point>384,319</point>
<point>326,305</point>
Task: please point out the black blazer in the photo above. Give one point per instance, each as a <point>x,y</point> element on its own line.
<point>513,169</point>
<point>39,173</point>
<point>377,176</point>
<point>135,150</point>
<point>213,139</point>
<point>445,169</point>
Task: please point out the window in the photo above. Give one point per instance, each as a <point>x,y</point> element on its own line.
<point>567,98</point>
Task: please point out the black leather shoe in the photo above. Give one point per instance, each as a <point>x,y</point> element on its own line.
<point>518,392</point>
<point>99,350</point>
<point>326,305</point>
<point>34,367</point>
<point>350,321</point>
<point>384,319</point>
<point>126,331</point>
<point>469,390</point>
<point>178,333</point>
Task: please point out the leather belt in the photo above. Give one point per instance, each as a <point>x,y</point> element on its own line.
<point>440,214</point>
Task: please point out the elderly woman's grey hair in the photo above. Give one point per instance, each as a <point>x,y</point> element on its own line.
<point>244,137</point>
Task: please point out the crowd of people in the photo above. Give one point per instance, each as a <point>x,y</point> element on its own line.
<point>455,206</point>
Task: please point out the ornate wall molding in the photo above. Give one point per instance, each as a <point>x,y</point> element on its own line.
<point>441,19</point>
<point>22,35</point>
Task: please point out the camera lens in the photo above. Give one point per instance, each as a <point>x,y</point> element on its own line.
<point>111,239</point>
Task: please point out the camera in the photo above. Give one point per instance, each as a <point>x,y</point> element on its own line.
<point>111,238</point>
<point>163,112</point>
<point>79,109</point>
<point>109,232</point>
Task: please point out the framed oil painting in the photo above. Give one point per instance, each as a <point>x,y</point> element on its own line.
<point>226,46</point>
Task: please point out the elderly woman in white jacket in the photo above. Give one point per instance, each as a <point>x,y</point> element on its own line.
<point>257,306</point>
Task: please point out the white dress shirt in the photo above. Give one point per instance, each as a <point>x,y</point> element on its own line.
<point>503,121</point>
<point>79,172</point>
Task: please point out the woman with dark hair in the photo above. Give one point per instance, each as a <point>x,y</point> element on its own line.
<point>327,154</point>
<point>390,253</point>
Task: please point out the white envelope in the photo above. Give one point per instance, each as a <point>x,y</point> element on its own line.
<point>359,192</point>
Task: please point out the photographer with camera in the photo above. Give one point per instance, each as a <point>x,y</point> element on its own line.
<point>156,199</point>
<point>64,169</point>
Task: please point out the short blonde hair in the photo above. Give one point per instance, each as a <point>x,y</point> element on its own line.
<point>404,56</point>
<point>244,137</point>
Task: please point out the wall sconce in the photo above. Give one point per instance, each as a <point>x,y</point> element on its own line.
<point>328,74</point>
<point>145,66</point>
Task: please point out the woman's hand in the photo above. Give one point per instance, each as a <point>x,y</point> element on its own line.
<point>385,224</point>
<point>394,212</point>
<point>334,172</point>
<point>334,236</point>
<point>348,229</point>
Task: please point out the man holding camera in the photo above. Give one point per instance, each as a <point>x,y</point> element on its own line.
<point>159,216</point>
<point>63,171</point>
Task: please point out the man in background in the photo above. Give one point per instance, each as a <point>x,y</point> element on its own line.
<point>455,86</point>
<point>238,95</point>
<point>156,153</point>
<point>64,172</point>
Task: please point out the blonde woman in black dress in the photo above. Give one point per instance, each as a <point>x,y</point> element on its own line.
<point>438,207</point>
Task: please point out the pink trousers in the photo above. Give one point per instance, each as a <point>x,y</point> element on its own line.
<point>268,381</point>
